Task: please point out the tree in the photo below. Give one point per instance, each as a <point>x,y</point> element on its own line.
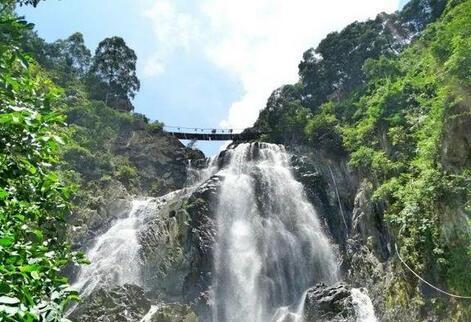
<point>114,65</point>
<point>33,3</point>
<point>67,59</point>
<point>10,4</point>
<point>33,201</point>
<point>334,68</point>
<point>75,55</point>
<point>417,14</point>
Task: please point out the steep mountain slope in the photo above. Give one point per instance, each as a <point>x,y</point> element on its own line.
<point>390,135</point>
<point>377,131</point>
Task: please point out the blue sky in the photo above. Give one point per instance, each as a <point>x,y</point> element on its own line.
<point>207,63</point>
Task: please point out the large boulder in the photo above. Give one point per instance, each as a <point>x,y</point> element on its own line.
<point>329,303</point>
<point>174,313</point>
<point>125,303</point>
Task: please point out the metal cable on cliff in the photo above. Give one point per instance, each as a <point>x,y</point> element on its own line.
<point>422,279</point>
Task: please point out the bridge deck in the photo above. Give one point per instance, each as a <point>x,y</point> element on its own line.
<point>215,136</point>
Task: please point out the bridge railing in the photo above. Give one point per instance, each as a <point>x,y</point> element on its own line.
<point>207,134</point>
<point>190,130</point>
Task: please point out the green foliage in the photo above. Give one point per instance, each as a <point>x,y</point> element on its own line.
<point>33,201</point>
<point>69,57</point>
<point>114,65</point>
<point>33,3</point>
<point>396,141</point>
<point>95,127</point>
<point>109,76</point>
<point>12,3</point>
<point>389,107</point>
<point>335,68</point>
<point>284,119</point>
<point>156,127</point>
<point>417,14</point>
<point>322,130</point>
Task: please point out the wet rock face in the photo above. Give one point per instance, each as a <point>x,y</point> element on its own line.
<point>177,245</point>
<point>85,224</point>
<point>161,160</point>
<point>329,303</point>
<point>368,225</point>
<point>128,303</point>
<point>174,313</point>
<point>330,186</point>
<point>125,303</point>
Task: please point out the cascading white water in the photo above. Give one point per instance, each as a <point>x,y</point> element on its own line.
<point>114,255</point>
<point>363,306</point>
<point>270,245</point>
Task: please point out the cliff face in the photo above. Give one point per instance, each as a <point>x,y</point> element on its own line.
<point>172,240</point>
<point>344,199</point>
<point>396,149</point>
<point>392,154</point>
<point>158,162</point>
<point>177,248</point>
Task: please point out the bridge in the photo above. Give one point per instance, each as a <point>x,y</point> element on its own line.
<point>205,134</point>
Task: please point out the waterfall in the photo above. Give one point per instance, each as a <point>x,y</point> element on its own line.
<point>270,245</point>
<point>114,255</point>
<point>363,306</point>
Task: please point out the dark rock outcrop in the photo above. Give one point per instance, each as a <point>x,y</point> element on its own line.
<point>330,186</point>
<point>125,303</point>
<point>162,160</point>
<point>174,313</point>
<point>333,303</point>
<point>177,244</point>
<point>368,226</point>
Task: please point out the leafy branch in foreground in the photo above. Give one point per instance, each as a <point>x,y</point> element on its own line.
<point>33,201</point>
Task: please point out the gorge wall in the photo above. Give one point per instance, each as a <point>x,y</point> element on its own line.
<point>365,158</point>
<point>382,147</point>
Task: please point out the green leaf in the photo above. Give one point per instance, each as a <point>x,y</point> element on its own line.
<point>3,194</point>
<point>5,118</point>
<point>58,139</point>
<point>39,234</point>
<point>31,168</point>
<point>6,241</point>
<point>29,268</point>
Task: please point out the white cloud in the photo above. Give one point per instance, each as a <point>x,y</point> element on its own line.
<point>174,30</point>
<point>260,41</point>
<point>153,67</point>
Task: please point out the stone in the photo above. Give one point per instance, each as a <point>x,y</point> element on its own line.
<point>177,244</point>
<point>125,303</point>
<point>329,303</point>
<point>368,224</point>
<point>174,313</point>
